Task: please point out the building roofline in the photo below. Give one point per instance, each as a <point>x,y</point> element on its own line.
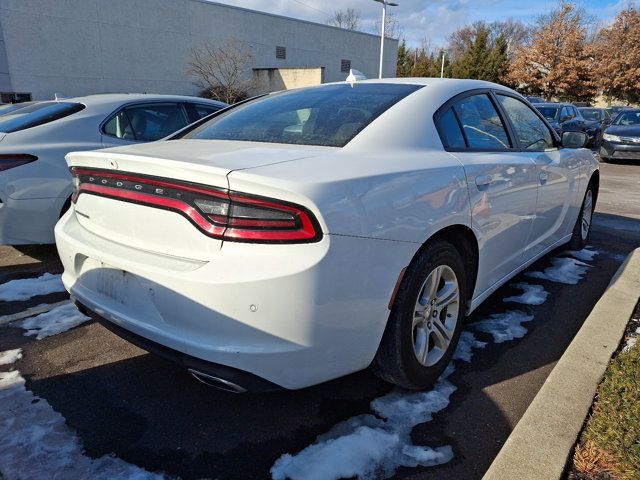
<point>284,17</point>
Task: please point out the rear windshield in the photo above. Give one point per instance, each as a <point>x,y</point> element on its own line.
<point>37,114</point>
<point>549,113</point>
<point>628,118</point>
<point>591,114</point>
<point>330,115</point>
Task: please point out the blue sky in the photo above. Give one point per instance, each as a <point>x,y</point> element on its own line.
<point>433,20</point>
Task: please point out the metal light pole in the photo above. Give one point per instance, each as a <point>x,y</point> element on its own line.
<point>442,66</point>
<point>382,29</point>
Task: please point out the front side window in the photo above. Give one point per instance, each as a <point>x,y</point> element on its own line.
<point>329,115</point>
<point>531,132</point>
<point>146,123</point>
<point>481,123</point>
<point>628,118</point>
<point>37,114</point>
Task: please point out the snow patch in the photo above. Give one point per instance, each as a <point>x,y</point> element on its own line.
<point>531,294</point>
<point>564,270</point>
<point>586,254</point>
<point>24,289</point>
<point>631,341</point>
<point>57,320</point>
<point>504,326</point>
<point>466,344</point>
<point>373,446</point>
<point>10,356</point>
<point>36,443</point>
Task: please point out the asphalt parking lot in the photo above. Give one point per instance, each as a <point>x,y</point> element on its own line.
<point>121,400</point>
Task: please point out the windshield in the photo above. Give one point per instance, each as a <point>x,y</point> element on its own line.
<point>329,115</point>
<point>549,113</point>
<point>37,114</point>
<point>628,118</point>
<point>592,114</point>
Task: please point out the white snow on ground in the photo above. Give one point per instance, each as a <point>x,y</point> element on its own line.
<point>10,356</point>
<point>57,320</point>
<point>564,270</point>
<point>504,326</point>
<point>466,344</point>
<point>24,289</point>
<point>531,294</point>
<point>35,442</point>
<point>586,254</point>
<point>370,447</point>
<point>631,341</point>
<point>374,446</point>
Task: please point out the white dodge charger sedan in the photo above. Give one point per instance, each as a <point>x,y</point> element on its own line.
<point>35,184</point>
<point>308,234</point>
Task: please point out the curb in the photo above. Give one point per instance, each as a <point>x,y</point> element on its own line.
<point>542,441</point>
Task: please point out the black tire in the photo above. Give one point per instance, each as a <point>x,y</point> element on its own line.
<point>396,360</point>
<point>578,238</point>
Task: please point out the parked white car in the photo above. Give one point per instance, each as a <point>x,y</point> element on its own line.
<point>307,234</point>
<point>35,183</point>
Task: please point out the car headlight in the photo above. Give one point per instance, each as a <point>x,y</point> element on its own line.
<point>611,138</point>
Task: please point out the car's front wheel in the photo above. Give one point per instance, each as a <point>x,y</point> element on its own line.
<point>426,319</point>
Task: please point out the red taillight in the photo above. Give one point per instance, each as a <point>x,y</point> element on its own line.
<point>12,160</point>
<point>217,213</point>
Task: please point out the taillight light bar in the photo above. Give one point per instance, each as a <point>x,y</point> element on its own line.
<point>216,212</point>
<point>12,160</point>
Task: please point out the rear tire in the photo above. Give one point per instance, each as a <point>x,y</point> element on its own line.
<point>426,319</point>
<point>582,228</point>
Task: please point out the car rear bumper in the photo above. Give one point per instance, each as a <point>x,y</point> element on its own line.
<point>620,151</point>
<point>28,221</point>
<point>292,315</point>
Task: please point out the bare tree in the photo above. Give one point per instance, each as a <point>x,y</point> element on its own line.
<point>222,69</point>
<point>392,27</point>
<point>348,19</point>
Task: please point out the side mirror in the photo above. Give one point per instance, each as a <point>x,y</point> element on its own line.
<point>574,139</point>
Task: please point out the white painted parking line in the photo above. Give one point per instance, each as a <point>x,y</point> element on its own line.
<point>30,312</point>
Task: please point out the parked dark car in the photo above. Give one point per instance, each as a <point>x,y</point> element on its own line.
<point>597,119</point>
<point>622,139</point>
<point>616,109</point>
<point>563,117</point>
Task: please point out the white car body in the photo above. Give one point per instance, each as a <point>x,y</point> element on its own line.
<point>300,314</point>
<point>33,195</point>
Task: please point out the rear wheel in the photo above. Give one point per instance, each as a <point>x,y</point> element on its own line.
<point>426,319</point>
<point>582,227</point>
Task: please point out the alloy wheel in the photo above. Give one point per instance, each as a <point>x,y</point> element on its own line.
<point>435,315</point>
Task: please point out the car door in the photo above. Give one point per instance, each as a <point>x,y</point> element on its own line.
<point>502,183</point>
<point>556,169</point>
<point>143,122</point>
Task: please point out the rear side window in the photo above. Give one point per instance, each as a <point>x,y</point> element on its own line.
<point>449,130</point>
<point>196,111</point>
<point>37,114</point>
<point>532,133</point>
<point>146,123</point>
<point>481,123</point>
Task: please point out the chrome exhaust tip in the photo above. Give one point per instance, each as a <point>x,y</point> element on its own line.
<point>216,382</point>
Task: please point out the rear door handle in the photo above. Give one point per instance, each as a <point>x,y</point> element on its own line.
<point>483,180</point>
<point>544,176</point>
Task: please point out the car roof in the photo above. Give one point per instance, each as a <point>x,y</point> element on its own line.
<point>553,104</point>
<point>117,98</point>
